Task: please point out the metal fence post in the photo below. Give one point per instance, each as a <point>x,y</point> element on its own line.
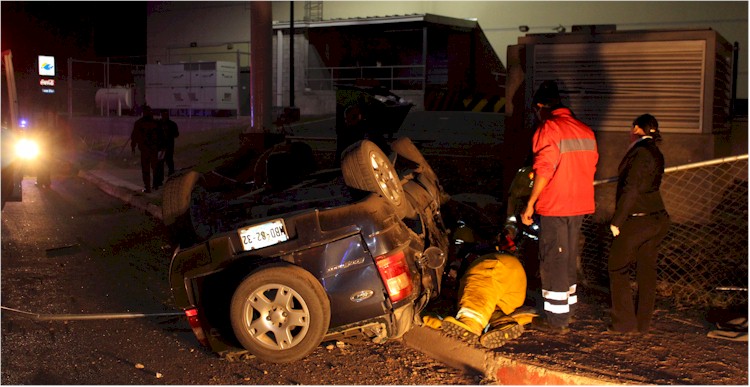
<point>70,87</point>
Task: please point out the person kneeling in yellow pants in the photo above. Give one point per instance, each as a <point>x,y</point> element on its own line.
<point>490,293</point>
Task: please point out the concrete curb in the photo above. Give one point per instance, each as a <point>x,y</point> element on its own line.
<point>124,194</point>
<point>496,368</point>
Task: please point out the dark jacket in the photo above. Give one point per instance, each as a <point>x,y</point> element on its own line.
<point>639,179</point>
<point>147,135</point>
<point>170,131</point>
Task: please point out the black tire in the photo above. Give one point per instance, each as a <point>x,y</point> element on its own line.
<point>367,168</point>
<point>203,210</point>
<point>260,175</point>
<point>284,164</point>
<point>187,209</point>
<point>262,307</point>
<point>176,196</point>
<point>405,148</point>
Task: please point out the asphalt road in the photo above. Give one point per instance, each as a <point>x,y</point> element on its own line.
<point>76,251</point>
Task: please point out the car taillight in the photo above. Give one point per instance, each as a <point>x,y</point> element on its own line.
<point>195,324</point>
<point>395,273</point>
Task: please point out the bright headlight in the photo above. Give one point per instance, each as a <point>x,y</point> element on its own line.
<point>27,149</point>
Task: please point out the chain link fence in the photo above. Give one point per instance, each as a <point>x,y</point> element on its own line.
<point>114,80</point>
<point>703,260</point>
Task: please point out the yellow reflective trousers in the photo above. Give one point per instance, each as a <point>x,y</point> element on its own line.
<point>493,282</point>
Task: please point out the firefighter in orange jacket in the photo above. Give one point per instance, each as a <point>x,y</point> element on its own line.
<point>565,157</point>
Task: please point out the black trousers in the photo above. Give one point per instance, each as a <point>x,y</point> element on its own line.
<point>150,165</point>
<point>169,160</point>
<point>44,171</point>
<point>637,244</point>
<point>558,265</point>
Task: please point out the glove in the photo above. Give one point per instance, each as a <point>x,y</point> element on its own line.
<point>615,230</point>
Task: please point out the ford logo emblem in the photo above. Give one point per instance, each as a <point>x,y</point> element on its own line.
<point>361,295</point>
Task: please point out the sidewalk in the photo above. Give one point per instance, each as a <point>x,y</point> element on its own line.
<point>126,185</point>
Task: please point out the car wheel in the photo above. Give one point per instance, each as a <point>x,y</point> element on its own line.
<point>176,197</point>
<point>203,208</point>
<point>280,313</point>
<point>284,164</point>
<point>366,167</point>
<point>405,148</point>
<point>260,176</point>
<point>187,209</point>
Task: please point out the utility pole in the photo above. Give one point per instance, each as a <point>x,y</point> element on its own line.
<point>261,102</point>
<point>292,112</point>
<point>291,53</point>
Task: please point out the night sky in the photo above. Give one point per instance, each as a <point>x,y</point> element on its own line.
<point>91,30</point>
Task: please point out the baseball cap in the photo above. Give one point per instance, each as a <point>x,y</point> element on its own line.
<point>547,94</point>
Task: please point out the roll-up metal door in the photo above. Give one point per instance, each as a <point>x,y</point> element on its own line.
<point>608,84</point>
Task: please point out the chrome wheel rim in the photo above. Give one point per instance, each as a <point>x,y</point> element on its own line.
<point>276,316</point>
<point>386,178</point>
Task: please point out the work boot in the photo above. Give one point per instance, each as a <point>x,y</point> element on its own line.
<point>460,330</point>
<point>523,315</point>
<point>497,336</point>
<point>541,324</point>
<point>612,331</point>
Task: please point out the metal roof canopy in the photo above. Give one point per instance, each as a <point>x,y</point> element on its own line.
<point>448,59</point>
<point>359,21</point>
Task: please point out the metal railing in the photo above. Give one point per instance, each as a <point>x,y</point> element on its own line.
<point>407,77</point>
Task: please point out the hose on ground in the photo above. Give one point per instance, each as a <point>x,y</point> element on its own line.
<point>92,316</point>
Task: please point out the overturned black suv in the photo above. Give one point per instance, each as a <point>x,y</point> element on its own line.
<point>297,256</point>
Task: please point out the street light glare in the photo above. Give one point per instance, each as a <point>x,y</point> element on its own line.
<point>27,149</point>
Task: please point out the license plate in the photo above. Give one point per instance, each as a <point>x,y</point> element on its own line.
<point>263,235</point>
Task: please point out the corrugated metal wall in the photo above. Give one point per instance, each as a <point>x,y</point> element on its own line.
<point>609,79</point>
<point>608,84</point>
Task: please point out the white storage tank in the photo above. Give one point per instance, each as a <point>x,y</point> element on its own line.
<point>114,98</point>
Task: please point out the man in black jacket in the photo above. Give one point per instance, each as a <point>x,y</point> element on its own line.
<point>170,131</point>
<point>639,224</point>
<point>149,140</point>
